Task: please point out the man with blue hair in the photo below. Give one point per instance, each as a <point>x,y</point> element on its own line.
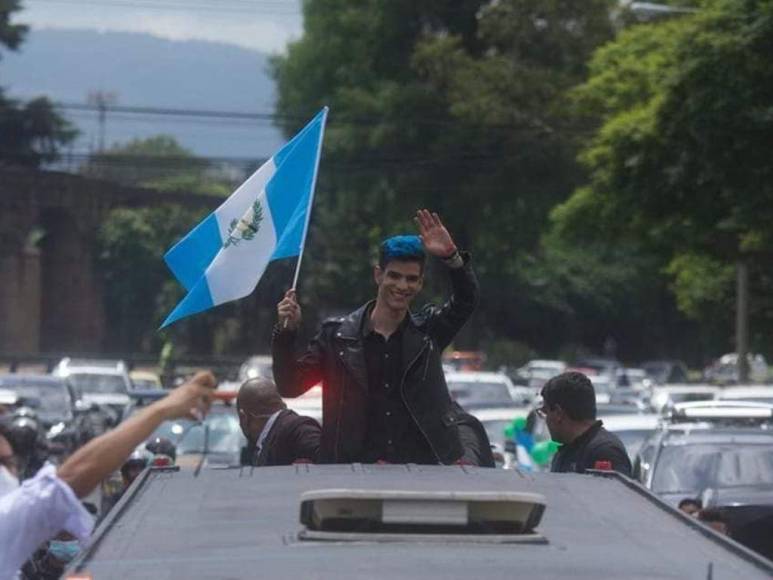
<point>384,395</point>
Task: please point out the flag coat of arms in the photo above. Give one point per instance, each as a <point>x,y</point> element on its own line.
<point>265,219</point>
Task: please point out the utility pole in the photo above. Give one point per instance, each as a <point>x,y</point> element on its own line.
<point>102,100</point>
<point>742,320</point>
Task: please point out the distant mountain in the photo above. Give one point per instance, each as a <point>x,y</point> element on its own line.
<point>146,71</point>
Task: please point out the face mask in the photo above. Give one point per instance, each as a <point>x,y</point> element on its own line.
<point>64,551</point>
<point>8,481</point>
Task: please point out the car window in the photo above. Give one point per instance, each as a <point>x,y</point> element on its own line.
<point>480,393</point>
<point>225,436</point>
<point>98,384</point>
<point>746,466</point>
<point>693,468</point>
<point>685,469</point>
<point>52,397</point>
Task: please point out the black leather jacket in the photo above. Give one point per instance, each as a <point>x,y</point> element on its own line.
<point>335,357</point>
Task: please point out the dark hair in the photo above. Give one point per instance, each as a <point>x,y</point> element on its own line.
<point>403,249</point>
<point>574,393</point>
<point>691,501</point>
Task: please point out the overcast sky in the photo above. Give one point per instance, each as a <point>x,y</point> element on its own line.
<point>264,25</point>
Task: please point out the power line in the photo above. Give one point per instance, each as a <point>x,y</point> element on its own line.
<point>229,6</point>
<point>529,125</point>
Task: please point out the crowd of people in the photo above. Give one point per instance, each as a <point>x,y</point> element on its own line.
<point>385,400</point>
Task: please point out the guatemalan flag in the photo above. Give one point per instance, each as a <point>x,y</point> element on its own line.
<point>224,256</point>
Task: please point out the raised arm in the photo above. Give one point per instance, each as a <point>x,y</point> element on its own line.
<point>444,322</point>
<point>294,375</point>
<point>101,456</point>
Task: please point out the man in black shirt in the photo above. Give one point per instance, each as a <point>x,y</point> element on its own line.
<point>384,395</point>
<point>569,409</point>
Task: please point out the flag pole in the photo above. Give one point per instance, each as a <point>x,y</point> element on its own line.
<point>311,200</point>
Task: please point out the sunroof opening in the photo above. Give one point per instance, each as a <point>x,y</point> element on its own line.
<point>369,512</point>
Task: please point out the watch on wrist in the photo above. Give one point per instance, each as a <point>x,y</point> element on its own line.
<point>454,260</point>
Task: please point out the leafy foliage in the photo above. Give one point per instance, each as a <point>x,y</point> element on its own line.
<point>681,158</point>
<point>30,133</point>
<point>457,106</point>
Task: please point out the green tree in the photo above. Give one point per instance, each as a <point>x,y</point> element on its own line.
<point>157,162</point>
<point>681,158</point>
<point>31,133</point>
<point>459,106</point>
<point>139,289</point>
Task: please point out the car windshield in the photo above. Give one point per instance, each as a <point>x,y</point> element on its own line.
<point>90,383</point>
<point>225,436</point>
<point>693,468</point>
<point>480,394</point>
<point>53,397</point>
<point>145,384</point>
<point>633,439</point>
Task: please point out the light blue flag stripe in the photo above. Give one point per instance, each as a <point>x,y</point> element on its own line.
<point>190,257</point>
<point>197,300</point>
<point>214,274</point>
<point>294,176</point>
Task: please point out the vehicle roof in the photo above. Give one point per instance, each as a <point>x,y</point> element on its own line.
<point>144,375</point>
<point>499,413</point>
<point>543,362</point>
<point>477,376</point>
<point>9,380</point>
<point>745,391</point>
<point>684,388</point>
<point>634,422</point>
<point>233,523</point>
<point>703,433</point>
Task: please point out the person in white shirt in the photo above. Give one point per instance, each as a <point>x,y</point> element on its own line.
<point>48,503</point>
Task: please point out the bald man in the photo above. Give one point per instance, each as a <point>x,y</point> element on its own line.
<point>275,434</point>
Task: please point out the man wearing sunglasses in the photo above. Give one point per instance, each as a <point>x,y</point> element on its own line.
<point>275,434</point>
<point>569,409</point>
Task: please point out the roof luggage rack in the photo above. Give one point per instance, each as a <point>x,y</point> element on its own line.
<point>726,412</point>
<point>374,515</point>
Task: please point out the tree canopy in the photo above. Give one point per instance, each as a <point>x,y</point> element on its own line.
<point>681,159</point>
<point>31,133</point>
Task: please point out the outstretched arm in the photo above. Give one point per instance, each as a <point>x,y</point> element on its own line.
<point>447,320</point>
<point>101,456</point>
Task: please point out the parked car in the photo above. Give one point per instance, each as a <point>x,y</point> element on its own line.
<point>536,373</point>
<point>217,441</point>
<point>258,365</point>
<point>104,383</point>
<point>56,407</point>
<point>145,380</point>
<point>721,451</point>
<point>474,390</point>
<point>724,371</point>
<point>708,445</point>
<point>633,378</point>
<point>665,396</point>
<point>664,372</point>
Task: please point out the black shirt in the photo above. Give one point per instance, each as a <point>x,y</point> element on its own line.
<point>595,445</point>
<point>392,434</point>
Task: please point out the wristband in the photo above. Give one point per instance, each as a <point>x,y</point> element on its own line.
<point>454,260</point>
